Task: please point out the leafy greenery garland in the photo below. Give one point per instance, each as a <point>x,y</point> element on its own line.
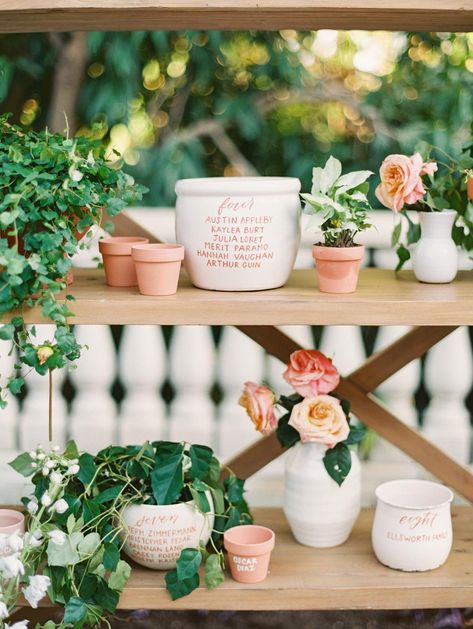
<point>53,189</point>
<point>337,460</point>
<point>86,572</point>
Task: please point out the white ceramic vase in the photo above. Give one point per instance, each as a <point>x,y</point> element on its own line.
<point>154,535</point>
<point>435,255</point>
<point>239,233</point>
<point>320,513</point>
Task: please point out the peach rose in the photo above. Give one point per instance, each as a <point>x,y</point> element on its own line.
<point>258,401</point>
<point>311,373</point>
<point>401,182</point>
<point>320,419</point>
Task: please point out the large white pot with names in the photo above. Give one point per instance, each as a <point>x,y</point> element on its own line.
<point>154,535</point>
<point>239,233</point>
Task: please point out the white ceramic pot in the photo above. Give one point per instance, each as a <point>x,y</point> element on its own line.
<point>412,528</point>
<point>435,255</point>
<point>320,513</point>
<point>154,535</point>
<point>239,233</point>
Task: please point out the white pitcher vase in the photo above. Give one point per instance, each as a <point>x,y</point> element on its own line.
<point>435,256</point>
<point>320,513</point>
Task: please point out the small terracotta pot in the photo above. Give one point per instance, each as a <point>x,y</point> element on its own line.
<point>249,551</point>
<point>338,267</point>
<point>11,521</point>
<point>469,188</point>
<point>118,264</point>
<point>157,267</point>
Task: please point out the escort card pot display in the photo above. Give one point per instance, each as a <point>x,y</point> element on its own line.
<point>239,233</point>
<point>322,487</point>
<point>249,550</point>
<point>412,528</point>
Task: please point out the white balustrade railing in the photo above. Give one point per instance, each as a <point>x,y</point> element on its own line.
<point>206,378</point>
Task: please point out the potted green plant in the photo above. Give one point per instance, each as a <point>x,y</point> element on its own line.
<point>76,529</point>
<point>54,188</point>
<point>340,204</point>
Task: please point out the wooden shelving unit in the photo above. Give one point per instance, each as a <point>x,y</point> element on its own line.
<point>381,299</point>
<point>112,15</point>
<point>301,578</point>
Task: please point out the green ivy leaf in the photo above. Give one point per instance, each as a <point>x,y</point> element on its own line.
<point>7,331</point>
<point>24,464</point>
<point>66,554</point>
<point>106,597</point>
<point>111,557</point>
<point>287,435</point>
<point>88,468</point>
<point>119,576</point>
<point>188,563</point>
<point>337,462</point>
<point>356,435</point>
<point>200,500</point>
<point>178,588</point>
<point>403,255</point>
<point>201,457</point>
<point>167,479</point>
<point>214,574</point>
<point>89,545</point>
<point>75,611</point>
<point>15,385</point>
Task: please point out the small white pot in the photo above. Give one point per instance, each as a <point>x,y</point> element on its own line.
<point>412,528</point>
<point>320,513</point>
<point>154,535</point>
<point>239,233</point>
<point>435,255</point>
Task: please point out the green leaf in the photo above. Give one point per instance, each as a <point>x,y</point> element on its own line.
<point>87,468</point>
<point>88,586</point>
<point>89,545</point>
<point>353,180</point>
<point>167,480</point>
<point>287,435</point>
<point>337,462</point>
<point>214,574</point>
<point>106,596</point>
<point>356,435</point>
<point>218,500</point>
<point>200,500</point>
<point>6,332</point>
<point>178,588</point>
<point>188,563</point>
<point>15,385</point>
<point>66,554</point>
<point>235,489</point>
<point>111,557</point>
<point>75,611</point>
<point>289,401</point>
<point>403,254</point>
<point>109,494</point>
<point>71,451</point>
<point>396,234</point>
<point>119,576</point>
<point>201,457</point>
<point>24,464</point>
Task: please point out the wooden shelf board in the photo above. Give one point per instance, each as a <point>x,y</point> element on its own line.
<point>92,15</point>
<point>381,299</point>
<point>344,577</point>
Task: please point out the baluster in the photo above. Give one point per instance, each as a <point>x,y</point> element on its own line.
<point>192,369</point>
<point>93,416</point>
<point>240,359</point>
<point>448,376</point>
<point>34,416</point>
<point>344,345</point>
<point>142,365</point>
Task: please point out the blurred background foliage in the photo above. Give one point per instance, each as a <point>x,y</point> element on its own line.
<point>194,103</point>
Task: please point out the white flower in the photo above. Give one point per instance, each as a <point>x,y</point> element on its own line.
<point>15,541</point>
<point>45,470</point>
<point>11,566</point>
<point>36,589</point>
<point>33,540</point>
<point>3,611</point>
<point>40,456</point>
<point>34,465</point>
<point>46,499</point>
<point>57,537</point>
<point>51,464</point>
<point>61,506</point>
<point>75,174</point>
<point>21,624</point>
<point>32,506</point>
<point>74,469</point>
<point>56,478</point>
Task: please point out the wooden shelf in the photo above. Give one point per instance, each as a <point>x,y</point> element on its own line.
<point>115,15</point>
<point>381,299</point>
<point>345,577</point>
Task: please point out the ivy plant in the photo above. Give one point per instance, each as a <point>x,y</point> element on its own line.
<point>339,202</point>
<point>75,531</point>
<point>52,190</point>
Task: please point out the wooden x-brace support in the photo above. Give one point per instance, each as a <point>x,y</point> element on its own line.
<point>357,388</point>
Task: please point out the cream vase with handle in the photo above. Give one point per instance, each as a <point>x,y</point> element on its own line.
<point>320,513</point>
<point>239,233</point>
<point>435,256</point>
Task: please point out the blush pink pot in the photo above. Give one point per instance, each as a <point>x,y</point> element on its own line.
<point>157,267</point>
<point>11,521</point>
<point>338,267</point>
<point>249,550</point>
<point>118,264</point>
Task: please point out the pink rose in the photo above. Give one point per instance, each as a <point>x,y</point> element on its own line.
<point>311,373</point>
<point>320,419</point>
<point>401,182</point>
<point>258,401</point>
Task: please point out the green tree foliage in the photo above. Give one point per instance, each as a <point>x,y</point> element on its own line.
<point>184,104</point>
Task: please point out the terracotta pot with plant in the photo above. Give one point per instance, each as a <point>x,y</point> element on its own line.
<point>340,204</point>
<point>54,189</point>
